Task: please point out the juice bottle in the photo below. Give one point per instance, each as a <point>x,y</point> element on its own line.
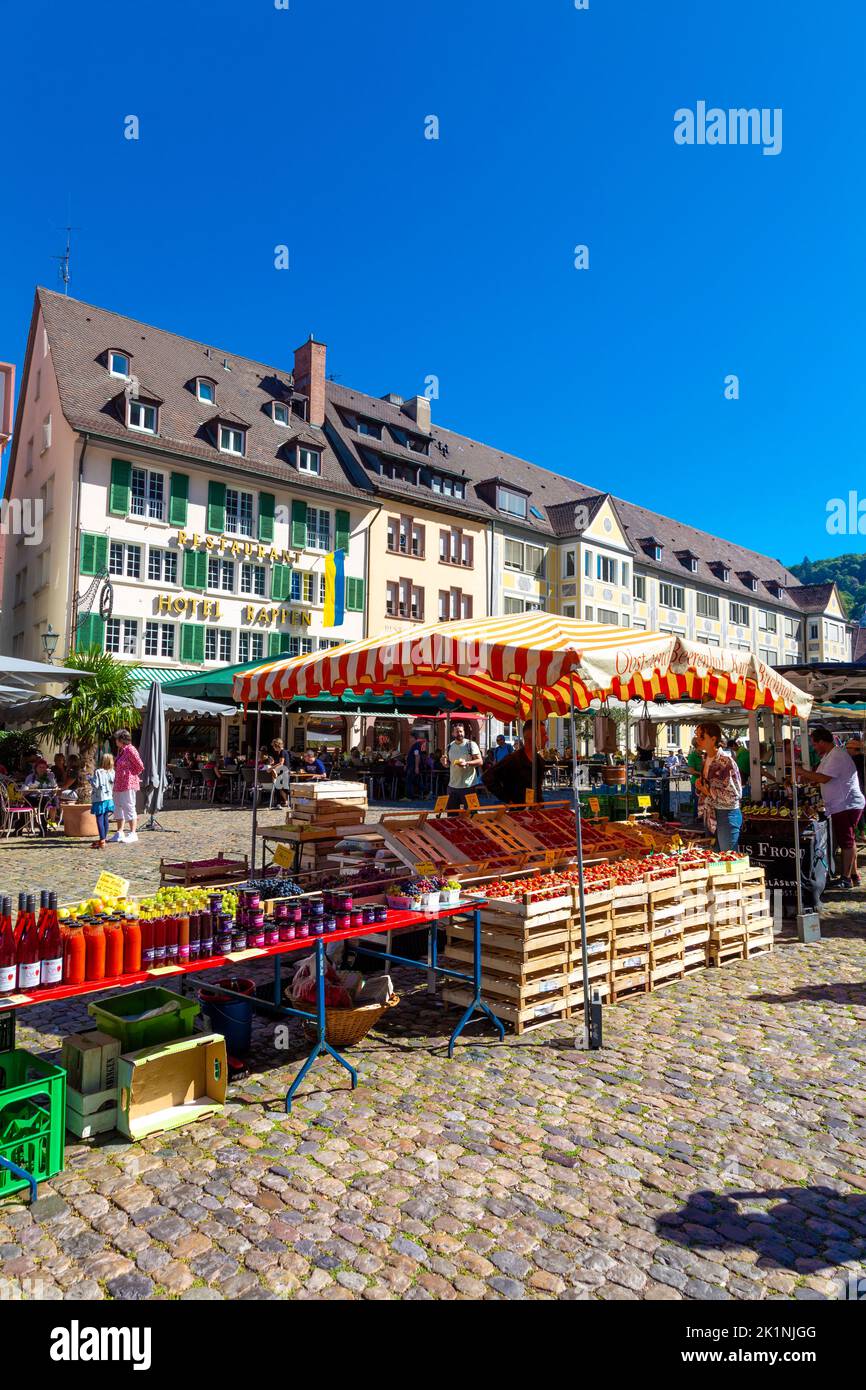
<point>50,944</point>
<point>29,967</point>
<point>206,935</point>
<point>131,945</point>
<point>74,962</point>
<point>148,959</point>
<point>172,933</point>
<point>94,946</point>
<point>158,942</point>
<point>183,936</point>
<point>194,936</point>
<point>113,948</point>
<point>8,956</point>
<point>22,913</point>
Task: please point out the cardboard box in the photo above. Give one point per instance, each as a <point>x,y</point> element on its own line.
<point>92,1113</point>
<point>90,1061</point>
<point>167,1086</point>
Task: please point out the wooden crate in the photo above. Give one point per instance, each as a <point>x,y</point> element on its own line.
<point>505,936</point>
<point>526,908</point>
<point>601,987</point>
<point>695,957</point>
<point>523,1019</point>
<point>630,974</point>
<point>667,972</point>
<point>499,983</point>
<point>721,954</point>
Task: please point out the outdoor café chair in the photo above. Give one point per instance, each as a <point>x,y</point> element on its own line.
<point>13,815</point>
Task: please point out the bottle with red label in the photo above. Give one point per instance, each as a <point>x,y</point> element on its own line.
<point>29,963</point>
<point>50,944</point>
<point>8,954</point>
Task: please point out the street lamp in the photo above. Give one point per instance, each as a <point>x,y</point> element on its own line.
<point>49,642</point>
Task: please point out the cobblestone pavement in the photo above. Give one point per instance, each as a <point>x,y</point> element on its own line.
<point>713,1149</point>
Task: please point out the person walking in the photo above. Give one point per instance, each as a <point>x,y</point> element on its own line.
<point>511,779</point>
<point>719,787</point>
<point>464,760</point>
<point>128,768</point>
<point>102,797</point>
<point>836,775</point>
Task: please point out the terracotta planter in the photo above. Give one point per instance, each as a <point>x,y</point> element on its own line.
<point>79,821</point>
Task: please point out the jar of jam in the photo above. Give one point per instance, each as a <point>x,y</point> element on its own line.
<point>330,923</point>
<point>369,915</point>
<point>317,908</point>
<point>281,911</point>
<point>254,902</point>
<point>239,939</point>
<point>342,921</point>
<point>302,929</point>
<point>381,912</point>
<point>317,926</point>
<point>272,932</point>
<point>346,903</point>
<point>224,935</point>
<point>356,917</point>
<point>287,931</point>
<point>257,927</point>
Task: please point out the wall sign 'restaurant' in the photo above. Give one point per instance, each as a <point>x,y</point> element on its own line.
<point>230,545</point>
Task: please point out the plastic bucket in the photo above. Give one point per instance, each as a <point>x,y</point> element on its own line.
<point>231,1016</point>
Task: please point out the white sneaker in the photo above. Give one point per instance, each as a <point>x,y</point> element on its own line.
<point>118,838</point>
<point>131,838</point>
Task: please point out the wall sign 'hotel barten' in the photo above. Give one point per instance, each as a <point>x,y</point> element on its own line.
<point>230,545</point>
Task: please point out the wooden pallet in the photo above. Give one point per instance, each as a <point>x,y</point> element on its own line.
<point>695,959</point>
<point>667,972</point>
<point>506,937</point>
<point>516,964</point>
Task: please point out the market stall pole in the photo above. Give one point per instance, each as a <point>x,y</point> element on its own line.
<point>256,784</point>
<point>592,1026</point>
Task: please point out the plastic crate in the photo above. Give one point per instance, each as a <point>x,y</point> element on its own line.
<point>7,1030</point>
<point>121,1017</point>
<point>30,1149</point>
<point>26,1077</point>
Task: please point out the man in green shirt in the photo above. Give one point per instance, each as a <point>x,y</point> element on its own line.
<point>695,761</point>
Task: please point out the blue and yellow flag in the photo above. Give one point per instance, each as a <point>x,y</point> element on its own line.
<point>335,588</point>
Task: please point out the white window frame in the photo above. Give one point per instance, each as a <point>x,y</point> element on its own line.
<point>316,532</point>
<point>228,434</point>
<point>607,569</point>
<point>670,602</point>
<point>112,370</point>
<point>734,609</point>
<point>223,568</point>
<point>164,634</point>
<point>127,640</point>
<point>134,407</point>
<point>253,579</point>
<point>309,461</point>
<point>709,600</point>
<point>149,513</point>
<point>241,516</point>
<point>207,384</point>
<point>638,582</point>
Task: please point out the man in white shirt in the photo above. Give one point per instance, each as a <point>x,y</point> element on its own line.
<point>464,760</point>
<point>836,774</point>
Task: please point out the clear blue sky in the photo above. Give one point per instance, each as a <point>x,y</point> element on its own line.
<point>409,256</point>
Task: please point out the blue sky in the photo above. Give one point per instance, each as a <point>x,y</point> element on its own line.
<point>454,257</point>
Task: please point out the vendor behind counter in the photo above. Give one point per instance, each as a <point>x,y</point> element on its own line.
<point>510,779</point>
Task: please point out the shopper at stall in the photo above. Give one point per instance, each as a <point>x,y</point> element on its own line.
<point>464,760</point>
<point>416,765</point>
<point>502,749</point>
<point>836,775</point>
<point>510,780</point>
<point>128,768</point>
<point>719,787</point>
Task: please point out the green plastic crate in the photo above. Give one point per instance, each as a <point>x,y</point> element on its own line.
<point>120,1016</point>
<point>26,1077</point>
<point>31,1149</point>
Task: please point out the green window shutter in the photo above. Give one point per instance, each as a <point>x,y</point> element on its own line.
<point>267,507</point>
<point>94,553</point>
<point>178,499</point>
<point>192,642</point>
<point>194,573</point>
<point>120,487</point>
<point>281,579</point>
<point>355,595</point>
<point>216,507</point>
<point>100,554</point>
<point>275,643</point>
<point>299,525</point>
<point>91,633</point>
<point>341,530</point>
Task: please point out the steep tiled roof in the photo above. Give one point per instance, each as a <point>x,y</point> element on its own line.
<point>812,598</point>
<point>80,334</point>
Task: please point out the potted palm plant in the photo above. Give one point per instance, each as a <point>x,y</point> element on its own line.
<point>93,708</point>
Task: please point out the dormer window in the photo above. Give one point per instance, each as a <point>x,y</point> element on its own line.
<point>205,390</point>
<point>118,363</point>
<point>309,461</point>
<point>513,503</point>
<point>726,574</point>
<point>690,561</point>
<point>370,428</point>
<point>750,580</point>
<point>232,440</point>
<point>140,415</point>
<point>447,486</point>
<point>652,547</point>
<point>279,412</point>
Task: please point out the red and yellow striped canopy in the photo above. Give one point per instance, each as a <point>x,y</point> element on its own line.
<point>494,664</point>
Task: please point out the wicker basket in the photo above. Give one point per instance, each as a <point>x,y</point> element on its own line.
<point>344,1027</point>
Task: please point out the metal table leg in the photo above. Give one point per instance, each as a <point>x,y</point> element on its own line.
<point>477,1002</point>
<point>321,1045</point>
<point>20,1173</point>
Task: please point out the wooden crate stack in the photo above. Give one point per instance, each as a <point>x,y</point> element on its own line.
<point>599,947</point>
<point>696,918</point>
<point>666,913</point>
<point>630,942</point>
<point>328,804</point>
<point>740,921</point>
<point>525,959</point>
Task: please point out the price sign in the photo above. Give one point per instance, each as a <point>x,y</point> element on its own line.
<point>550,856</point>
<point>595,806</point>
<point>425,867</point>
<point>441,803</point>
<point>644,801</point>
<point>530,796</point>
<point>284,856</point>
<point>111,886</point>
<point>472,801</point>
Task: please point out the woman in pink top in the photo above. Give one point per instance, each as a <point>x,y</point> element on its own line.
<point>128,768</point>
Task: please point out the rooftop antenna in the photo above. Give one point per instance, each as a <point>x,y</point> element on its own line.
<point>64,259</point>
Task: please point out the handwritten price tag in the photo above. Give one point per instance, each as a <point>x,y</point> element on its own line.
<point>530,796</point>
<point>425,866</point>
<point>595,806</point>
<point>550,856</point>
<point>644,800</point>
<point>284,857</point>
<point>111,886</point>
<point>472,801</point>
<point>441,803</point>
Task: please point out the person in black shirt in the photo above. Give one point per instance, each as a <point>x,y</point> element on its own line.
<point>510,779</point>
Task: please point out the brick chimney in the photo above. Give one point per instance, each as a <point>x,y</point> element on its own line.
<point>418,409</point>
<point>310,377</point>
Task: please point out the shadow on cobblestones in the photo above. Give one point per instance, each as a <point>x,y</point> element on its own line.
<point>818,994</point>
<point>809,1228</point>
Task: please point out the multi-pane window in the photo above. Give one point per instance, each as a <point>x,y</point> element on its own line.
<point>768,622</point>
<point>121,636</point>
<point>529,559</point>
<point>253,580</point>
<point>403,599</point>
<point>405,536</point>
<point>251,646</point>
<point>124,560</point>
<point>449,487</point>
<point>606,569</point>
<point>162,565</point>
<point>608,615</point>
<point>142,417</point>
<point>793,628</point>
<point>638,587</point>
<point>221,574</point>
<point>305,587</point>
<point>456,547</point>
<point>513,503</point>
<point>231,440</point>
<point>239,512</point>
<point>300,646</point>
<point>158,639</point>
<point>739,614</point>
<point>309,461</point>
<point>513,555</point>
<point>767,655</point>
<point>218,645</point>
<point>147,492</point>
<point>453,603</point>
<point>672,596</point>
<point>706,605</point>
<point>318,529</point>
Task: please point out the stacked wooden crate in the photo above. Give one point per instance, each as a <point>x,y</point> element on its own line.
<point>696,918</point>
<point>630,941</point>
<point>666,914</point>
<point>525,958</point>
<point>597,925</point>
<point>740,924</point>
<point>328,804</point>
<point>756,913</point>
